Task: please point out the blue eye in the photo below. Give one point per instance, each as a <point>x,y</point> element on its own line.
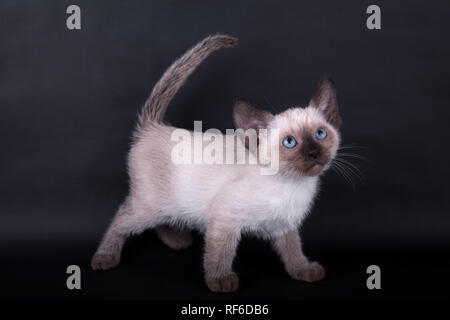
<point>289,142</point>
<point>321,133</point>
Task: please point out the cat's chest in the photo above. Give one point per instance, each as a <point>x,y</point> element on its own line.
<point>287,196</point>
<point>283,206</point>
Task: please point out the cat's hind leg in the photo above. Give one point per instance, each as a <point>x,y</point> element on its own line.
<point>128,220</point>
<point>175,238</point>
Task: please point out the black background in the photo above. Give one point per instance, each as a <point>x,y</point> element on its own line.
<point>69,101</point>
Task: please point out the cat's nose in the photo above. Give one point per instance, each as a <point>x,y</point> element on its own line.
<point>314,153</point>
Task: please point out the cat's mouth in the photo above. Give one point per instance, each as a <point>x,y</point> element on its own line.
<point>316,167</point>
<point>317,163</point>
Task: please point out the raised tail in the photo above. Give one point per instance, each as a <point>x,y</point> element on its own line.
<point>177,74</point>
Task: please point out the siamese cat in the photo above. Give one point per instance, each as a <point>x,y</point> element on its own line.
<point>225,201</point>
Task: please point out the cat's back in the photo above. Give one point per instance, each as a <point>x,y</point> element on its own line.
<point>155,175</point>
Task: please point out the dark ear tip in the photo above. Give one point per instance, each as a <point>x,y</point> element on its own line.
<point>239,100</point>
<point>237,103</point>
<point>327,80</point>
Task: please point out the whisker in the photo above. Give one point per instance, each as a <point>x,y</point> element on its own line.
<point>350,171</point>
<point>352,146</point>
<point>339,172</point>
<point>343,175</point>
<point>354,167</point>
<point>271,105</point>
<point>352,155</point>
<point>343,172</point>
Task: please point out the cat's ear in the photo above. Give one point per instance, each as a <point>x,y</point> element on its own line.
<point>247,116</point>
<point>326,102</point>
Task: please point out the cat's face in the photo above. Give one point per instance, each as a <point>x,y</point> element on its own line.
<point>307,142</point>
<point>308,137</point>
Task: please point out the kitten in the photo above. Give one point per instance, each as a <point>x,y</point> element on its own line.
<point>225,201</point>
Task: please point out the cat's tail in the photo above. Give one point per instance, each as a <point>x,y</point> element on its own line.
<point>177,74</point>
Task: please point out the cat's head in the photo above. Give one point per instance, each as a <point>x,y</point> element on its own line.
<point>308,137</point>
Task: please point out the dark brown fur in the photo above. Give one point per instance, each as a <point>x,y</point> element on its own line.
<point>298,159</point>
<point>325,100</point>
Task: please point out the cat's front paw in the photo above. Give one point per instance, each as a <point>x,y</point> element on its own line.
<point>104,261</point>
<point>226,283</point>
<point>309,272</point>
